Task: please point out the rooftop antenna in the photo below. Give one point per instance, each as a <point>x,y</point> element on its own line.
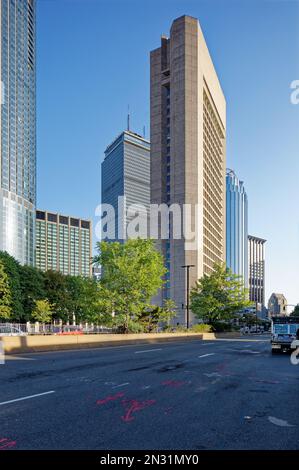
<point>128,119</point>
<point>144,132</point>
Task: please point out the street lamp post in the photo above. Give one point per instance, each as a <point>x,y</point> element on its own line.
<point>188,266</point>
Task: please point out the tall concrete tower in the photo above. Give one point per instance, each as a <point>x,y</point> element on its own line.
<point>188,135</point>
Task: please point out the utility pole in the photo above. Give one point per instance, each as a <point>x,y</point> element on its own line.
<point>188,266</point>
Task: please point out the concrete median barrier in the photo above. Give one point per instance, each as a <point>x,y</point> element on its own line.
<point>39,343</point>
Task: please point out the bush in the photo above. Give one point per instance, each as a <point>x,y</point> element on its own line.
<point>135,327</point>
<point>221,327</point>
<point>175,329</point>
<point>202,328</point>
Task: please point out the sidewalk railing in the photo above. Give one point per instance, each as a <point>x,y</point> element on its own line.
<point>37,328</point>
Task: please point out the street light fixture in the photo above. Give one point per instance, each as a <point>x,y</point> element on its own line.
<point>188,266</point>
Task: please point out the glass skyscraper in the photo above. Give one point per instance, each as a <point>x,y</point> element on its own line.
<point>18,129</point>
<point>126,174</point>
<point>236,226</point>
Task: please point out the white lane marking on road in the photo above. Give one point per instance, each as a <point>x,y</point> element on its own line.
<point>249,351</point>
<point>206,355</point>
<point>27,398</point>
<point>17,358</point>
<point>214,374</point>
<point>147,350</point>
<point>207,344</point>
<point>241,340</point>
<point>121,385</point>
<point>280,422</point>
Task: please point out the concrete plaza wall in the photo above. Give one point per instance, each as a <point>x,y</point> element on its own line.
<point>39,343</point>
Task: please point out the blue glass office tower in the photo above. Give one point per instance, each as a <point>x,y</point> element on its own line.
<point>126,174</point>
<point>236,226</point>
<point>17,129</point>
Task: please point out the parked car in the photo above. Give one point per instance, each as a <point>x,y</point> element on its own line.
<point>7,330</point>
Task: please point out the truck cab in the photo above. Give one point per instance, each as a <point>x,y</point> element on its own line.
<point>283,333</point>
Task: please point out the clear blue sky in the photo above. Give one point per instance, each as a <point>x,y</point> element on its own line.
<point>93,59</point>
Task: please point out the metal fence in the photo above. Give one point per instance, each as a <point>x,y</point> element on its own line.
<point>19,329</point>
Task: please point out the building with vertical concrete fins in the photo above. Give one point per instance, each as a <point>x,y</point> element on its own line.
<point>63,244</point>
<point>236,226</point>
<point>17,129</point>
<point>125,175</point>
<point>188,141</point>
<point>256,260</point>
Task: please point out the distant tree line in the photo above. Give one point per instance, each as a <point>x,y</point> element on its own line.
<point>132,274</point>
<point>28,294</point>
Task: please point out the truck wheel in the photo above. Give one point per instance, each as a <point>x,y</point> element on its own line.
<point>275,351</point>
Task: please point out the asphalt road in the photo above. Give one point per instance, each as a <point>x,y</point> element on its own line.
<point>222,394</point>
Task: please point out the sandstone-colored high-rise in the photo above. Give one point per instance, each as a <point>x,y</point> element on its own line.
<point>188,135</point>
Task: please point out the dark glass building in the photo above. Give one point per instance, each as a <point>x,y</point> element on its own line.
<point>125,179</point>
<point>236,226</point>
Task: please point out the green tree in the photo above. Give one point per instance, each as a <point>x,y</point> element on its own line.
<point>81,298</point>
<point>43,311</point>
<point>168,311</point>
<point>12,269</point>
<point>295,312</point>
<point>132,274</point>
<point>218,296</point>
<point>151,318</point>
<point>32,283</point>
<point>57,294</point>
<point>5,294</point>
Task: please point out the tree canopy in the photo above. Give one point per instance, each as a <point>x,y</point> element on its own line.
<point>32,286</point>
<point>12,269</point>
<point>218,296</point>
<point>43,311</point>
<point>132,273</point>
<point>295,312</point>
<point>5,294</point>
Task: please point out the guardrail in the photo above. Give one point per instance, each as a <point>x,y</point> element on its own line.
<point>37,328</point>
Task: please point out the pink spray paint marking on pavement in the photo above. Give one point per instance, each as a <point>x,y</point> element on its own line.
<point>134,405</point>
<point>223,370</point>
<point>110,398</point>
<point>6,443</point>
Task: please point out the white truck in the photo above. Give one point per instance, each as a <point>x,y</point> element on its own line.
<point>284,330</point>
